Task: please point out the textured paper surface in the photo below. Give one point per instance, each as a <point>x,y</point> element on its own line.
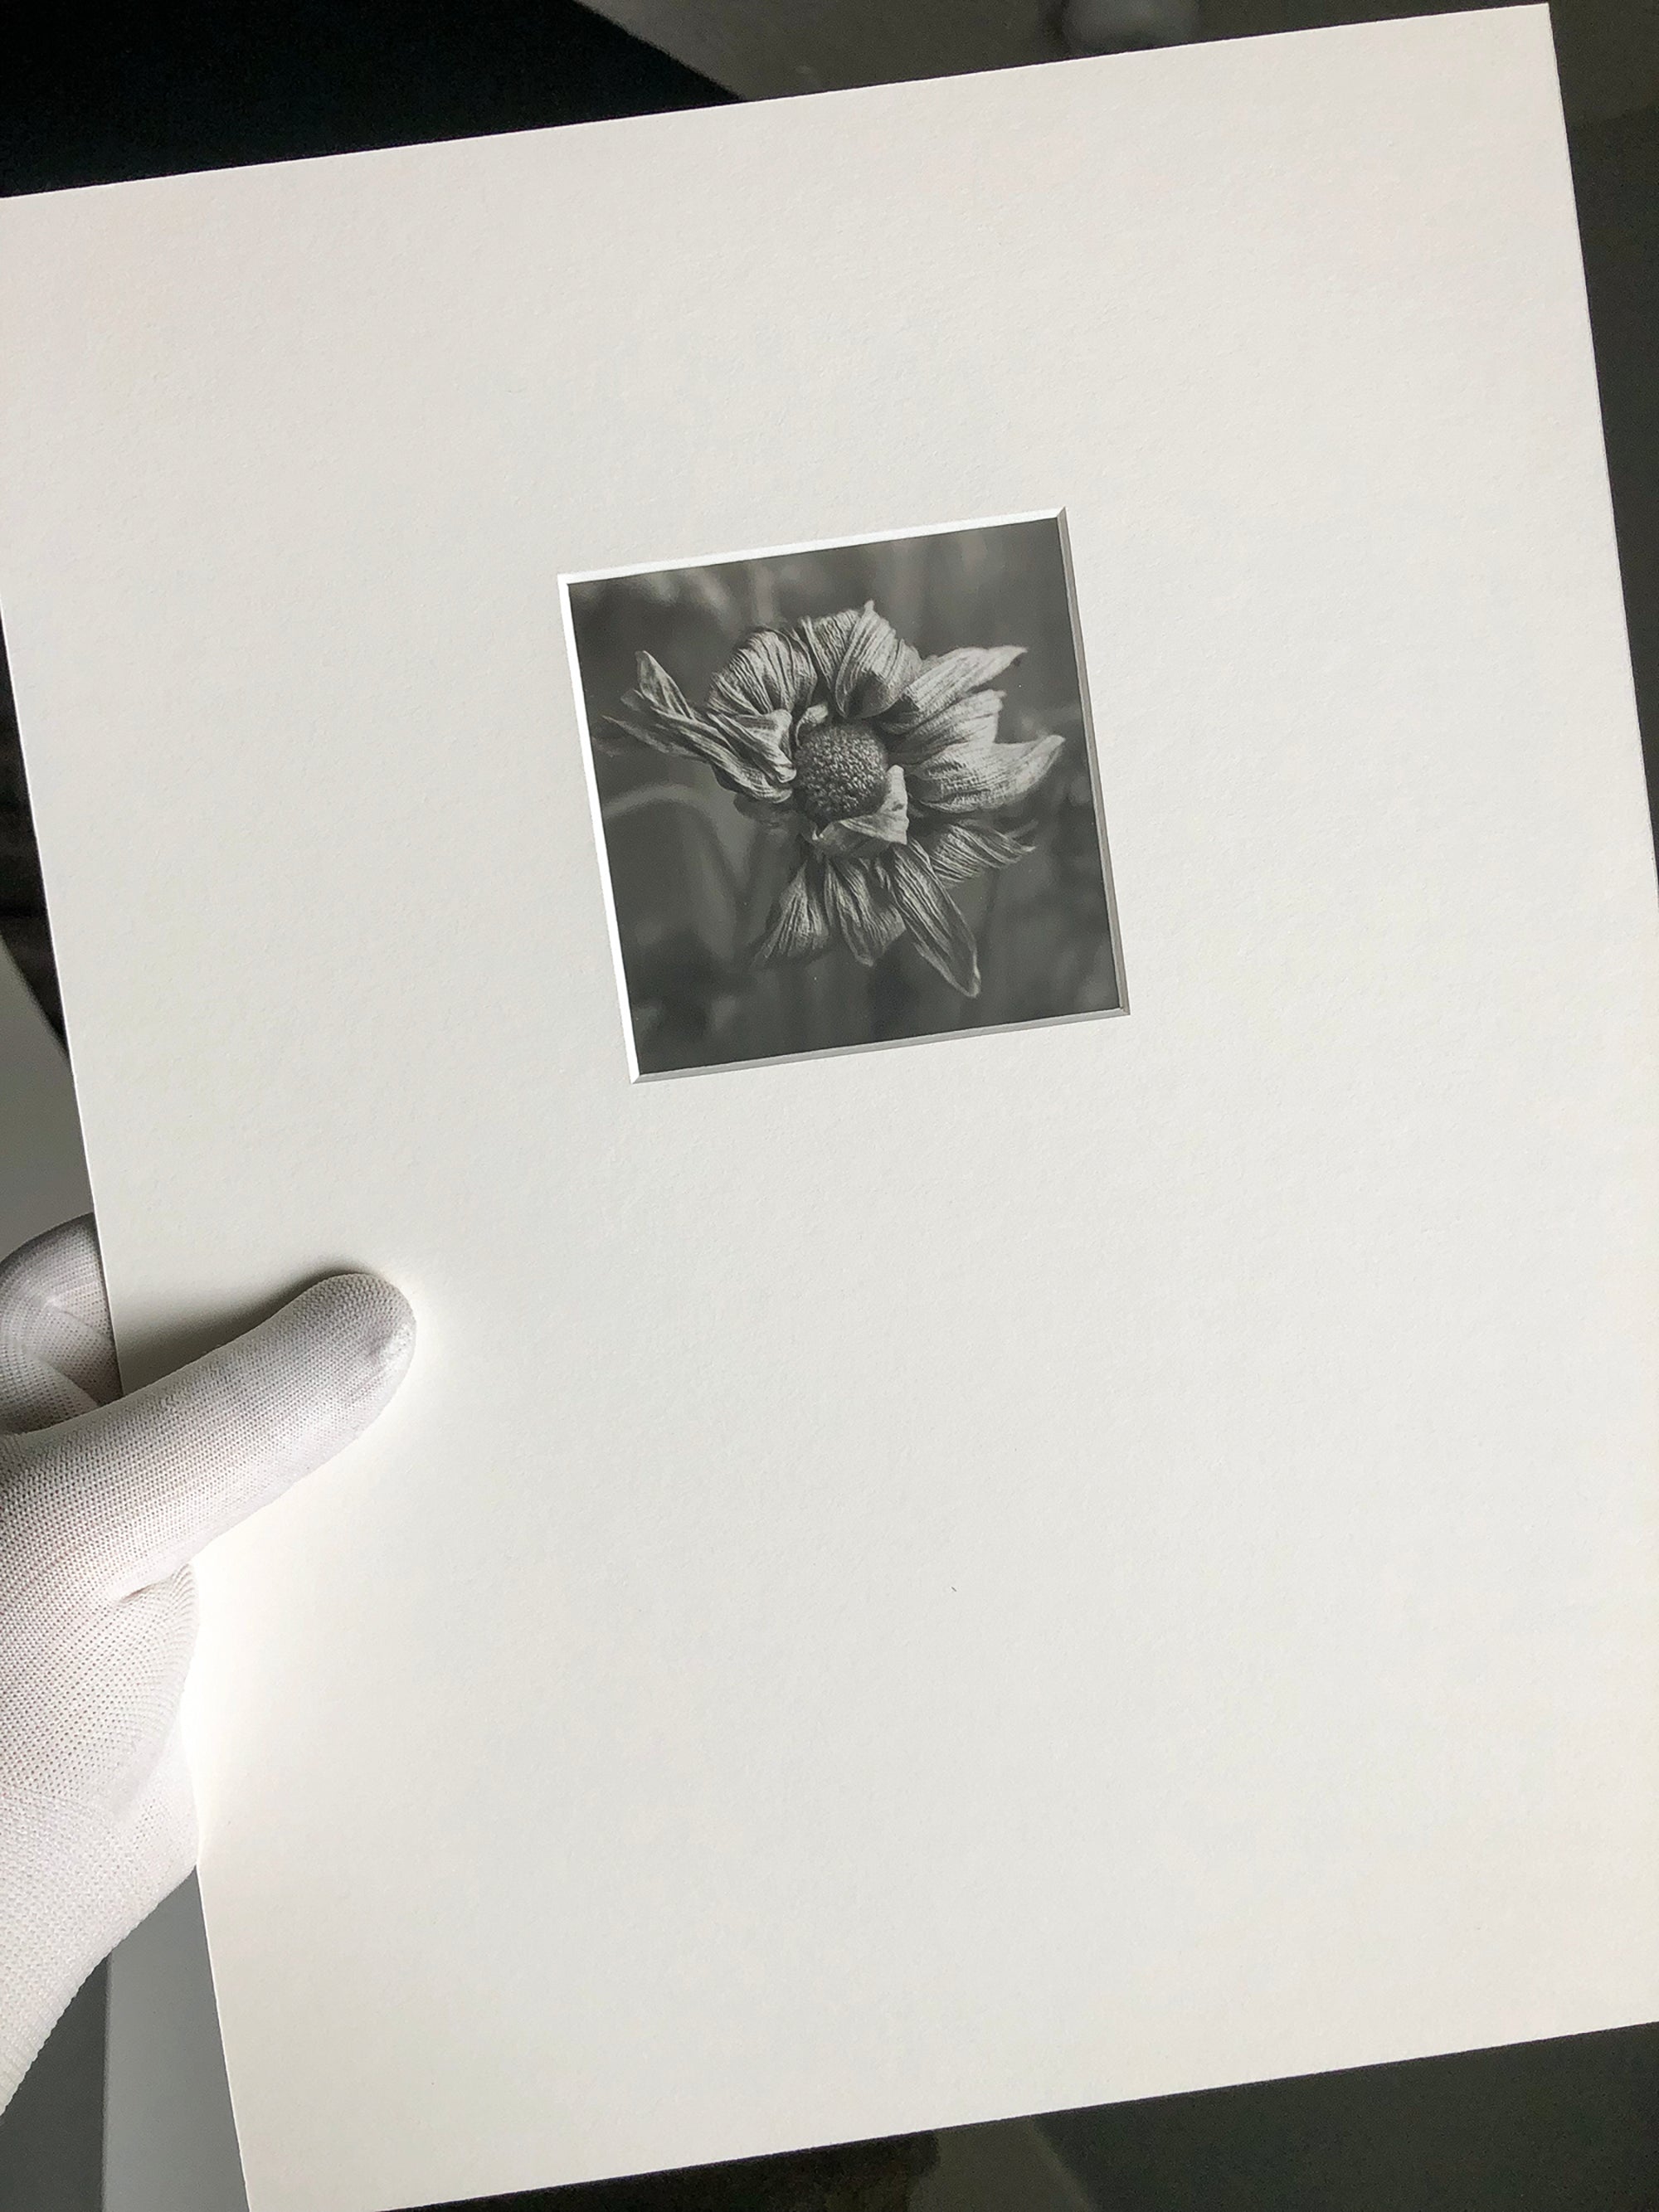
<point>980,1577</point>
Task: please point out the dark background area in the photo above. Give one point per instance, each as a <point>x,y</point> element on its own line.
<point>92,96</point>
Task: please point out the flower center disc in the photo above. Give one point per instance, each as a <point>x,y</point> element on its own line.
<point>839,770</point>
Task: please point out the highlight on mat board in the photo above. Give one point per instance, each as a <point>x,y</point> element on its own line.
<point>846,795</point>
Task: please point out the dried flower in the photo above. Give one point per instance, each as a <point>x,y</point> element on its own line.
<point>882,767</point>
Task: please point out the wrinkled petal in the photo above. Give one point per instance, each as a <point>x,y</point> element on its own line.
<point>875,665</point>
<point>761,738</point>
<point>857,835</point>
<point>970,722</point>
<point>861,913</point>
<point>656,692</point>
<point>824,639</point>
<point>768,671</point>
<point>799,928</point>
<point>939,683</point>
<point>748,753</point>
<point>962,850</point>
<point>979,778</point>
<point>931,916</point>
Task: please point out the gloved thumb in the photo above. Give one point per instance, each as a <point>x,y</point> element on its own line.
<point>148,1480</point>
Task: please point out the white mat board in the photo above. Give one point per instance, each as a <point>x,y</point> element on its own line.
<point>964,1579</point>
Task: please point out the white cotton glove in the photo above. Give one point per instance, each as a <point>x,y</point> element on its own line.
<point>104,1500</point>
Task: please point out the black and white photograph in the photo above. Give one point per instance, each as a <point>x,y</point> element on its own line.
<point>846,795</point>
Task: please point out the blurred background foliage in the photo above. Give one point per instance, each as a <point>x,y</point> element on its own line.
<point>695,879</point>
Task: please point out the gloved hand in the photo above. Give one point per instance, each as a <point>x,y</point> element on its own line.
<point>104,1500</point>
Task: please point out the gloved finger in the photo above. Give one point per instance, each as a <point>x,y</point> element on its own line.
<point>57,1348</point>
<point>150,1479</point>
<point>87,1712</point>
<point>153,1639</point>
